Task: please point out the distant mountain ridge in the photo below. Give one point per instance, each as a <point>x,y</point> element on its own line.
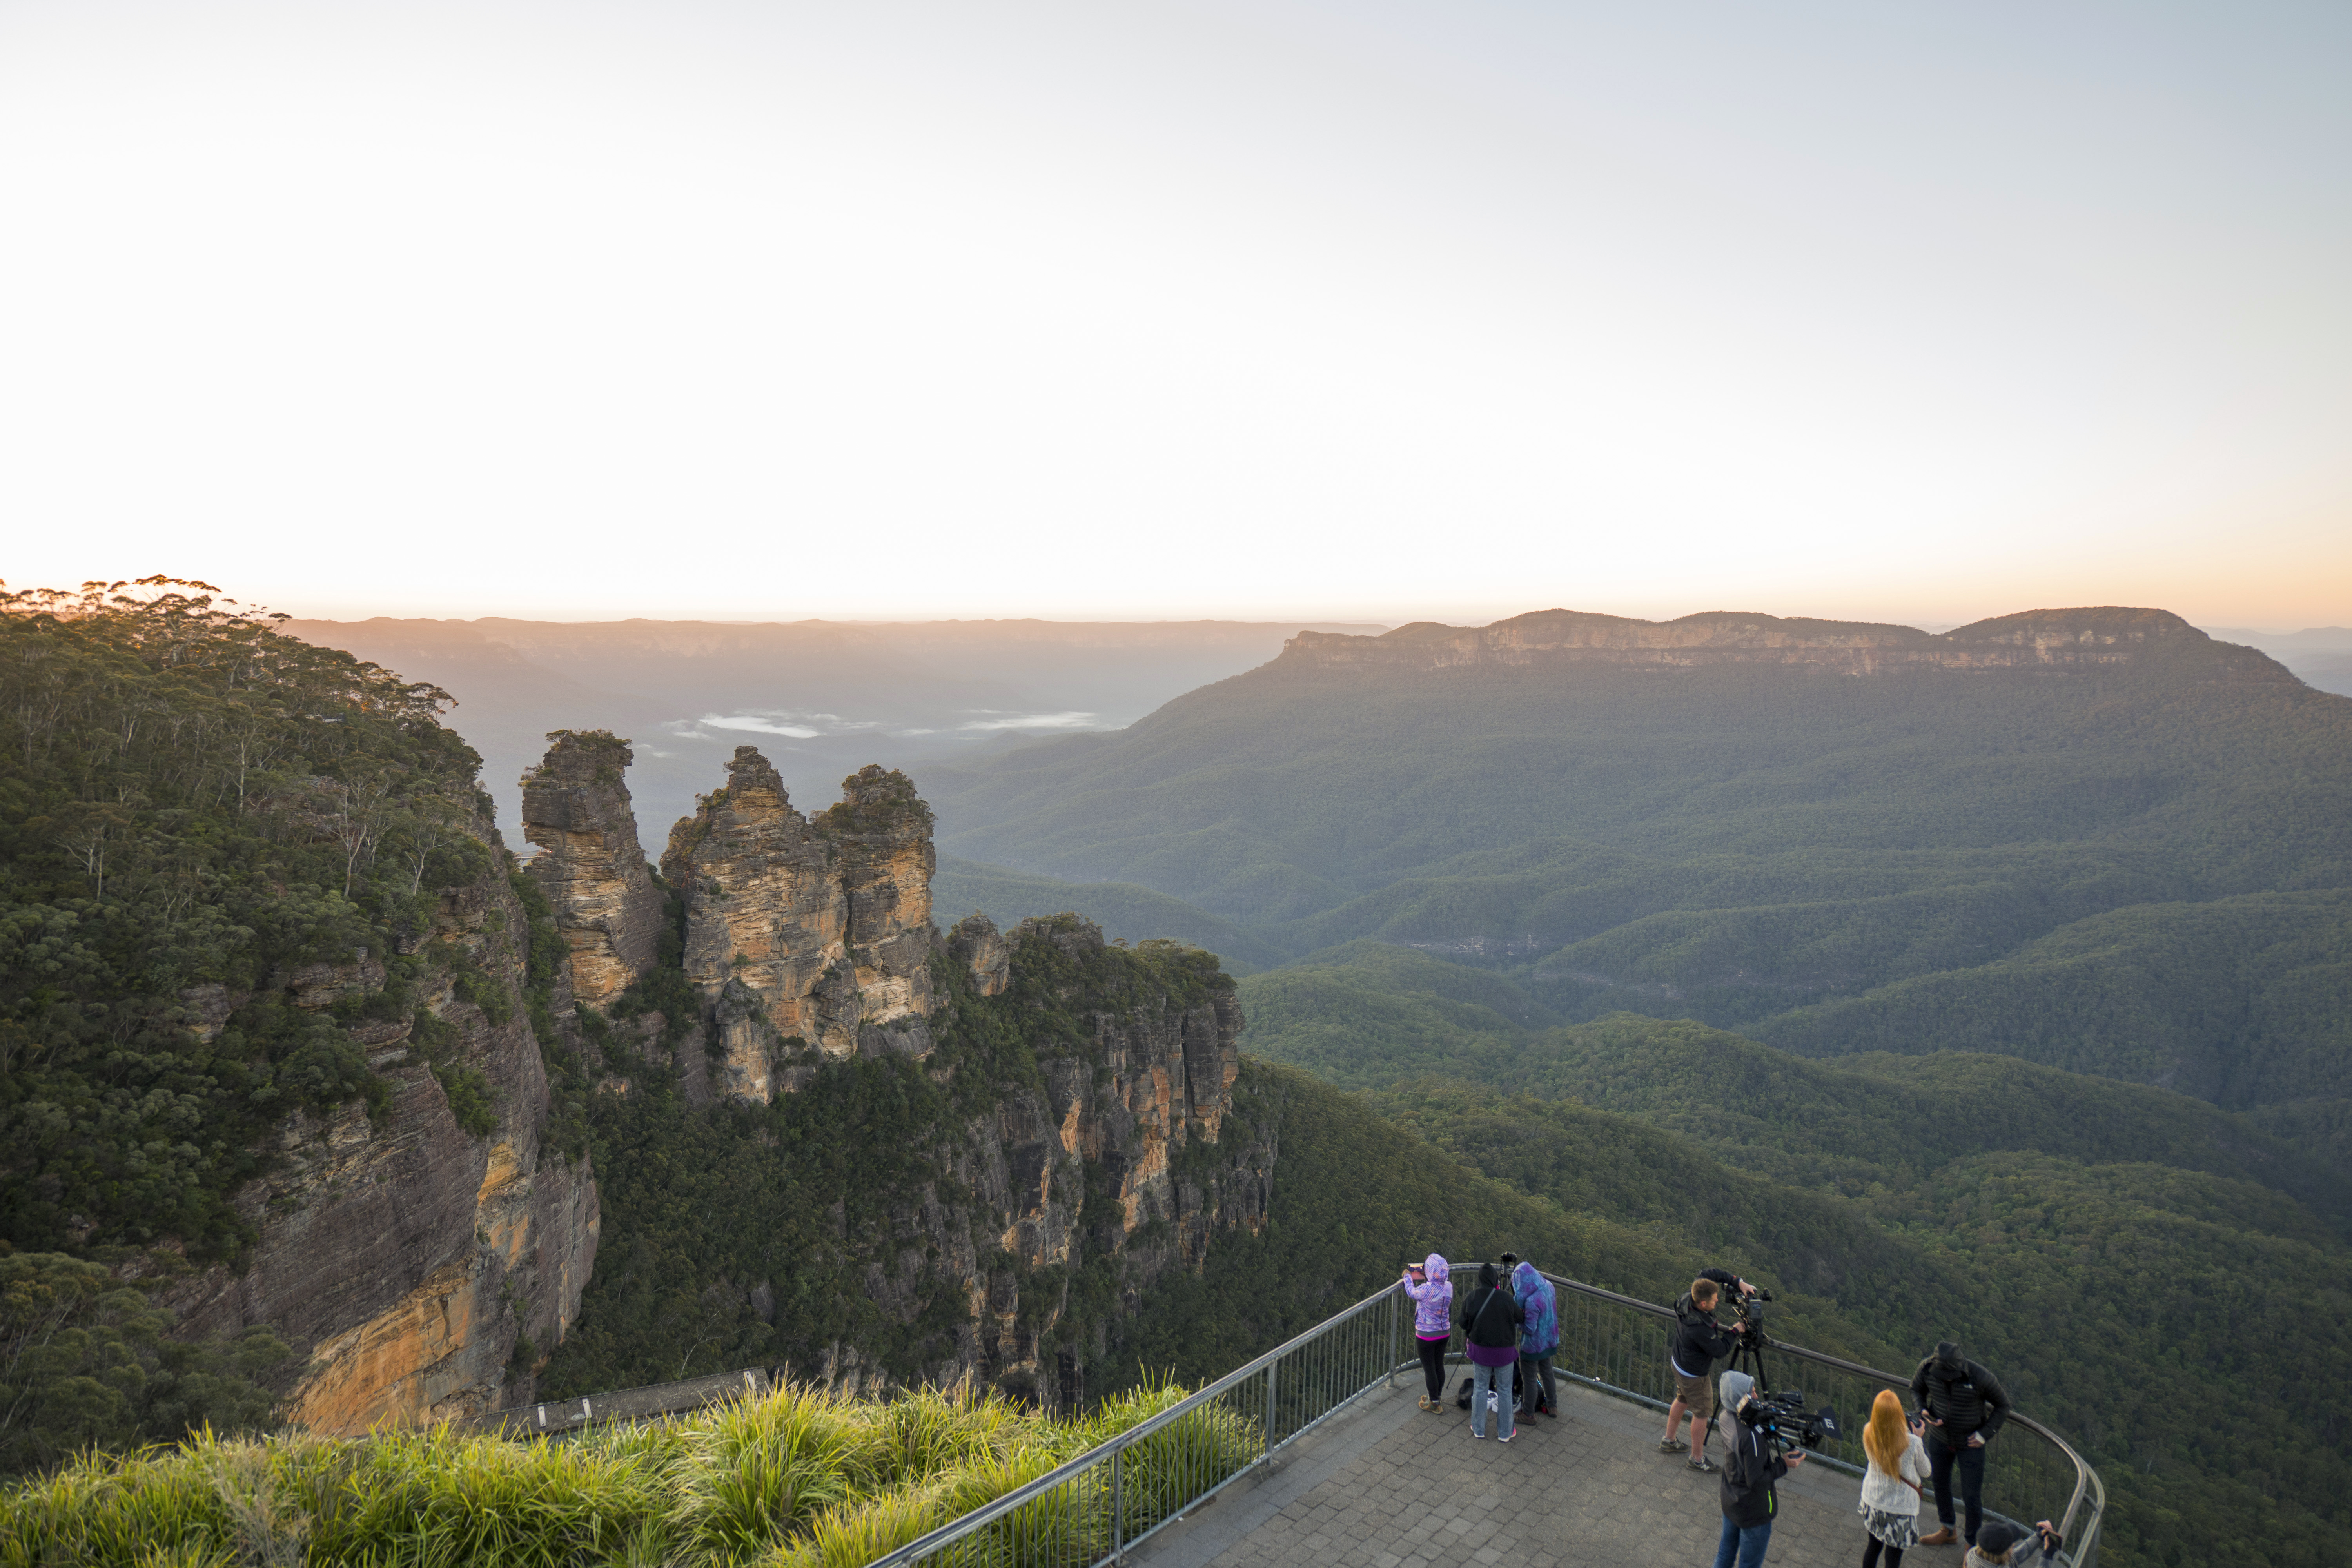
<point>2097,838</point>
<point>2078,639</point>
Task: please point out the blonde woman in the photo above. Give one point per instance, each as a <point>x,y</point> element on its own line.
<point>1891,1487</point>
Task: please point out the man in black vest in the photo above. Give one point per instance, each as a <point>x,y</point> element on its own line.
<point>1964,1406</point>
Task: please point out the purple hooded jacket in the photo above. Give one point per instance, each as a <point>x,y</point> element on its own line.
<point>1432,1301</point>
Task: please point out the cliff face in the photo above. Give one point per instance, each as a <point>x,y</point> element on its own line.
<point>2081,639</point>
<point>973,1154</point>
<point>1137,1107</point>
<point>405,1255</point>
<point>576,809</point>
<point>805,934</point>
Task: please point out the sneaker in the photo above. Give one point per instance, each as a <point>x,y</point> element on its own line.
<point>1704,1464</point>
<point>1509,1435</point>
<point>1671,1445</point>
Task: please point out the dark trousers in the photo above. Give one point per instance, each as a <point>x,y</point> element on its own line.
<point>1432,1367</point>
<point>1941,1462</point>
<point>1535,1372</point>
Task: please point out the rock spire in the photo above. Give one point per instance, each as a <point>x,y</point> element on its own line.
<point>575,808</point>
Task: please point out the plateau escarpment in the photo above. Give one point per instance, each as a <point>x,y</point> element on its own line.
<point>2080,639</point>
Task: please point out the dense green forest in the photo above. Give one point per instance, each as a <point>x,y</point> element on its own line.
<point>2190,1256</point>
<point>2139,873</point>
<point>749,1235</point>
<point>1123,909</point>
<point>189,802</point>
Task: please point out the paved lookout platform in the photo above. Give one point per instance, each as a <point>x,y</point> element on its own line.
<point>1387,1484</point>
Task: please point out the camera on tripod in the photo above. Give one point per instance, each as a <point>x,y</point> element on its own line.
<point>1751,1315</point>
<point>1782,1420</point>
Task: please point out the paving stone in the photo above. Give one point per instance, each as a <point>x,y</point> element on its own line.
<point>1386,1486</point>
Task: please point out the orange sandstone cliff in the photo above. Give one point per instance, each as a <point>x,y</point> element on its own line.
<point>406,1257</point>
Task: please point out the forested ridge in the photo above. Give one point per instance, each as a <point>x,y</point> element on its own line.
<point>2138,871</point>
<point>198,810</point>
<point>2149,1273</point>
<point>193,812</point>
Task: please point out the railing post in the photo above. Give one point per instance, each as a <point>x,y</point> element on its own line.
<point>1396,1332</point>
<point>1271,1368</point>
<point>1117,1507</point>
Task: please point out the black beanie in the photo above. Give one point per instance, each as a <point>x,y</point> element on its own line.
<point>1998,1537</point>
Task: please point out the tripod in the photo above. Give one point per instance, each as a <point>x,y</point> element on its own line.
<point>1748,1356</point>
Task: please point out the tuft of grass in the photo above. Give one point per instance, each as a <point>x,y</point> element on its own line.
<point>795,1478</point>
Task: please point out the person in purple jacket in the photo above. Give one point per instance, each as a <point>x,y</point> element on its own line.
<point>1490,1326</point>
<point>1430,1286</point>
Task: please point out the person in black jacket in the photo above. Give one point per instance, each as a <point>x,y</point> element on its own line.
<point>1490,1334</point>
<point>1749,1469</point>
<point>1964,1408</point>
<point>1694,1345</point>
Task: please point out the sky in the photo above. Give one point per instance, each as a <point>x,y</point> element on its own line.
<point>1381,310</point>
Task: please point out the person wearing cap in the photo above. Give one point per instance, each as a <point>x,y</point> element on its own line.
<point>1964,1406</point>
<point>1749,1469</point>
<point>2002,1544</point>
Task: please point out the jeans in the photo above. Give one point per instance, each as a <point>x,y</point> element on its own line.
<point>1532,1369</point>
<point>1941,1462</point>
<point>1747,1544</point>
<point>1498,1378</point>
<point>1432,1367</point>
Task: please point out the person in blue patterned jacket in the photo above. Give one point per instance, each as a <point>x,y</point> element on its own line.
<point>1538,1339</point>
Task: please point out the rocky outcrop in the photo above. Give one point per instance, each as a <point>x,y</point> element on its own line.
<point>575,808</point>
<point>405,1257</point>
<point>976,944</point>
<point>806,933</point>
<point>1138,1106</point>
<point>2081,640</point>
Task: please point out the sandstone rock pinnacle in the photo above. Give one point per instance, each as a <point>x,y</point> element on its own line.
<point>575,808</point>
<point>823,924</point>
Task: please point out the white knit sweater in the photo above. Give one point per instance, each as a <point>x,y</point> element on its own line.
<point>1887,1494</point>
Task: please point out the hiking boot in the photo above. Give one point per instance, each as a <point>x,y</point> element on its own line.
<point>1703,1465</point>
<point>1941,1538</point>
<point>1671,1445</point>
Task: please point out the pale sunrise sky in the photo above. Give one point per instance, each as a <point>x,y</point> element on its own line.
<point>1382,310</point>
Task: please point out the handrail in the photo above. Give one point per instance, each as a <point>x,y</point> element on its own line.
<point>2087,1479</point>
<point>1265,1368</point>
<point>980,1518</point>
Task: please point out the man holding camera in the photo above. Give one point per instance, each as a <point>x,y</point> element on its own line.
<point>1751,1464</point>
<point>1964,1406</point>
<point>1696,1343</point>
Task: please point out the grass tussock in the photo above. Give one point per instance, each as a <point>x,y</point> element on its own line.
<point>798,1478</point>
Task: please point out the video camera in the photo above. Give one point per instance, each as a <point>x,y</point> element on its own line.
<point>1751,1314</point>
<point>1782,1420</point>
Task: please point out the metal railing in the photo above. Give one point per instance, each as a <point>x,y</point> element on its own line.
<point>1610,1343</point>
<point>1097,1507</point>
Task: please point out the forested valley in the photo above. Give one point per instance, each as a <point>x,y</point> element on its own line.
<point>2013,1012</point>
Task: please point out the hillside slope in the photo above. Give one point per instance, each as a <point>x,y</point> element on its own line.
<point>1841,837</point>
